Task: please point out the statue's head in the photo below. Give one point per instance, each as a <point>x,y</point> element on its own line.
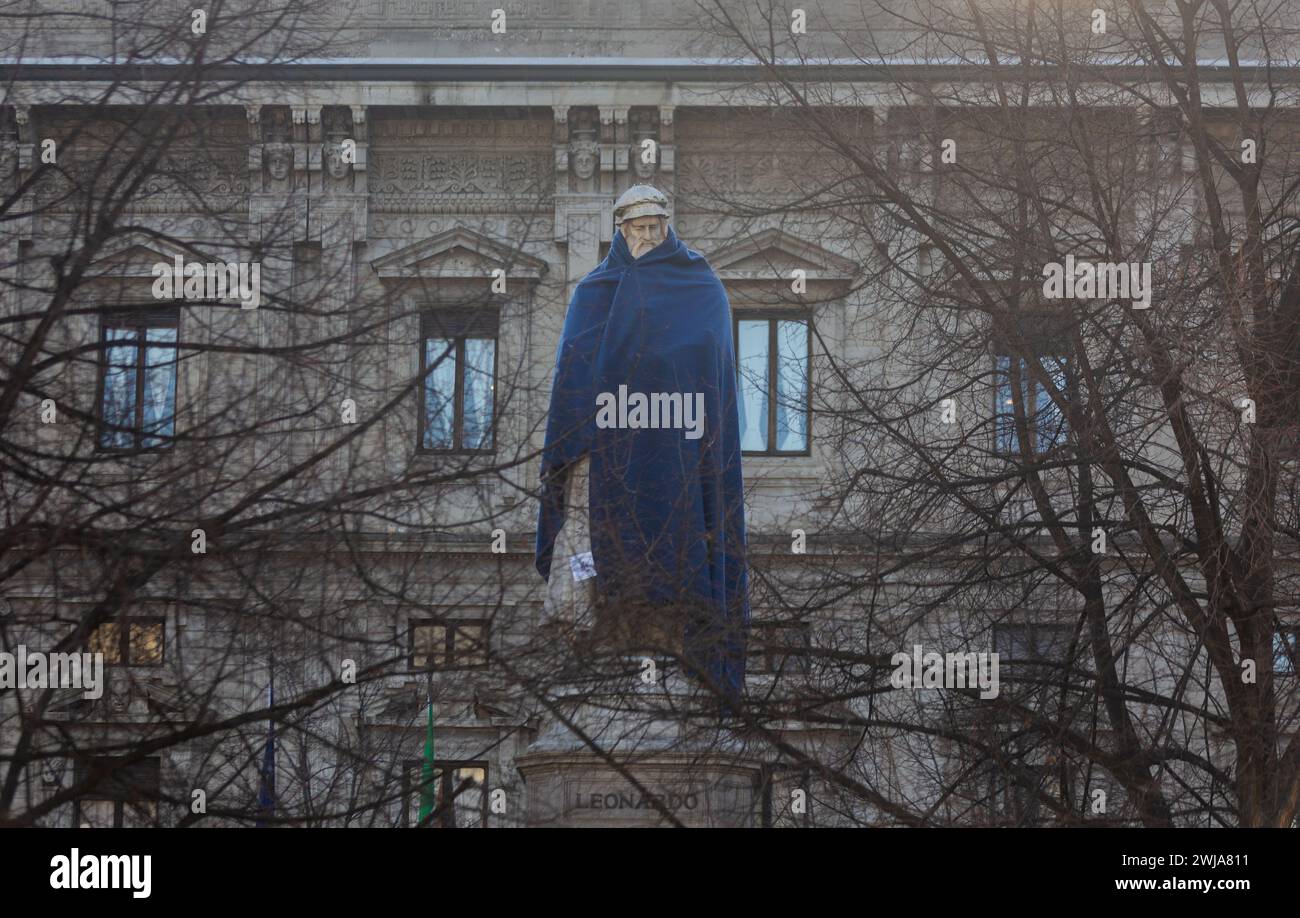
<point>335,164</point>
<point>645,158</point>
<point>584,156</point>
<point>644,170</point>
<point>279,158</point>
<point>641,214</point>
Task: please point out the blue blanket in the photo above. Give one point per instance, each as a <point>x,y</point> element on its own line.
<point>667,509</point>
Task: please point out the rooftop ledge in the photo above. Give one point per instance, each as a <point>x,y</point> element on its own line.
<point>505,68</point>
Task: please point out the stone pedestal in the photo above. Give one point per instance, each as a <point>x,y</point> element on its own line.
<point>580,789</point>
<point>663,771</point>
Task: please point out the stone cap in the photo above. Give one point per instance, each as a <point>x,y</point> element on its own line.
<point>640,201</point>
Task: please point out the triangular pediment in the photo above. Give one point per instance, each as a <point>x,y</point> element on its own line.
<point>458,254</point>
<point>772,254</point>
<point>134,254</point>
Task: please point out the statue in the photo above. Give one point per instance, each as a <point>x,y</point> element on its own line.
<point>279,160</point>
<point>641,527</point>
<point>584,155</point>
<point>335,164</point>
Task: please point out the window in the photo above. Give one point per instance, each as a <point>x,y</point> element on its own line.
<point>458,372</point>
<point>137,380</point>
<point>457,794</point>
<point>449,644</point>
<point>1015,793</point>
<point>772,360</point>
<point>1286,650</point>
<point>1044,418</point>
<point>126,797</point>
<point>1031,642</point>
<point>776,796</point>
<point>778,647</point>
<point>129,641</point>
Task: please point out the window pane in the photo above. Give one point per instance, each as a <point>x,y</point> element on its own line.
<point>468,807</point>
<point>430,645</point>
<point>107,639</point>
<point>1005,422</point>
<point>159,385</point>
<point>1051,643</point>
<point>1013,642</point>
<point>1049,420</point>
<point>470,649</point>
<point>145,642</point>
<point>479,356</point>
<point>439,392</point>
<point>1286,647</point>
<point>118,407</point>
<point>97,814</point>
<point>791,385</point>
<point>140,814</point>
<point>751,361</point>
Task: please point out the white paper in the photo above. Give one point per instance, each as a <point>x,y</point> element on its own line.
<point>583,566</point>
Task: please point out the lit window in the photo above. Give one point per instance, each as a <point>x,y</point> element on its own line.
<point>140,643</point>
<point>456,795</point>
<point>449,645</point>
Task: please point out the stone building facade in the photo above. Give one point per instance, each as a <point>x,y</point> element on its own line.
<point>399,177</point>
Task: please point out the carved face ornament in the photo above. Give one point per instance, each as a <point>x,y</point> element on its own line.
<point>583,155</point>
<point>334,161</point>
<point>278,159</point>
<point>643,169</point>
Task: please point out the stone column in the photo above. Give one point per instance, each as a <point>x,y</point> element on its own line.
<point>584,214</point>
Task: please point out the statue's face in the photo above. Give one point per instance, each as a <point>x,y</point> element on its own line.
<point>334,161</point>
<point>277,162</point>
<point>584,164</point>
<point>643,234</point>
<point>642,168</point>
